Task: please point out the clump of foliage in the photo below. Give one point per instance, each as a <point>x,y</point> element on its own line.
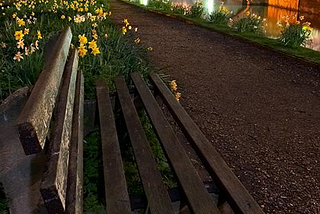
<point>196,10</point>
<point>250,23</point>
<point>296,34</point>
<point>162,5</point>
<point>220,16</point>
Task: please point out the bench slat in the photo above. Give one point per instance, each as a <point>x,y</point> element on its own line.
<point>237,195</point>
<point>54,182</point>
<point>74,198</point>
<point>157,194</point>
<point>34,120</point>
<point>199,199</point>
<point>117,197</point>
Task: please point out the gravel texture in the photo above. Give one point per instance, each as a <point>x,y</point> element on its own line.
<point>260,109</point>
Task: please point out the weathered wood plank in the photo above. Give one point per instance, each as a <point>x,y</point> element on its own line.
<point>74,197</point>
<point>117,197</point>
<point>34,120</point>
<point>157,194</point>
<point>238,197</point>
<point>198,197</point>
<point>54,182</point>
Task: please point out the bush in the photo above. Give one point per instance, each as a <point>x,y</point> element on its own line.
<point>295,35</point>
<point>250,23</point>
<point>221,16</point>
<point>196,10</point>
<point>162,5</point>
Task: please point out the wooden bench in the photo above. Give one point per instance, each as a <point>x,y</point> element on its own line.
<point>198,199</point>
<point>53,117</point>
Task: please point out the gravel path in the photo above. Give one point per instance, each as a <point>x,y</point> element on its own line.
<point>261,110</point>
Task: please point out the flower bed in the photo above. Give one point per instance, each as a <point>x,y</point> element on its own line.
<point>27,25</point>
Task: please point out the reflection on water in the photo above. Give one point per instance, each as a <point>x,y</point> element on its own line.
<point>272,13</point>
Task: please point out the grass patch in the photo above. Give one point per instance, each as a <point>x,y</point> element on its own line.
<point>93,174</point>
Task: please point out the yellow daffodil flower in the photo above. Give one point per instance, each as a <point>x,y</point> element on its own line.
<point>82,39</point>
<point>21,22</point>
<point>18,35</point>
<point>124,30</point>
<point>92,44</point>
<point>173,85</point>
<point>39,34</point>
<point>95,51</point>
<point>126,22</point>
<point>26,31</point>
<point>82,50</point>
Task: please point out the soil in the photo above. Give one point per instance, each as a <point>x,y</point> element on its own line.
<point>260,109</point>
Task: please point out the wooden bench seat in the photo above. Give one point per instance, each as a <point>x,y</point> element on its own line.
<point>52,119</point>
<point>198,199</point>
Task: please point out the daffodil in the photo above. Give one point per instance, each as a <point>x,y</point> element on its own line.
<point>82,39</point>
<point>124,30</point>
<point>14,15</point>
<point>36,44</point>
<point>126,22</point>
<point>99,11</point>
<point>173,85</point>
<point>92,44</point>
<point>21,22</point>
<point>18,35</point>
<point>26,51</point>
<point>32,48</point>
<point>137,40</point>
<point>63,17</point>
<point>39,34</point>
<point>150,49</point>
<point>95,51</point>
<point>82,50</point>
<point>178,96</point>
<point>18,56</point>
<point>20,44</point>
<point>26,31</point>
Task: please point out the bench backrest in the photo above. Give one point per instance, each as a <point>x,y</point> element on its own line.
<point>53,118</point>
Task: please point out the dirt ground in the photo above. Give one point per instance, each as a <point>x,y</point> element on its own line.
<point>261,110</point>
